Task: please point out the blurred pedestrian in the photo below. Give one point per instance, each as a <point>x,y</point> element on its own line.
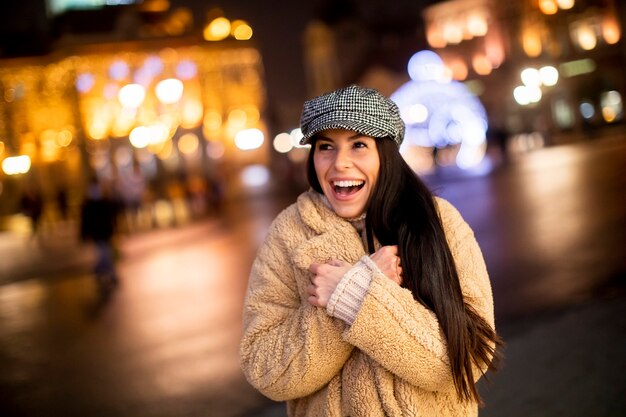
<point>61,200</point>
<point>31,205</point>
<point>370,296</point>
<point>99,213</point>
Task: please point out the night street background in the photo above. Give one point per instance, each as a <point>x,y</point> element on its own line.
<point>544,188</point>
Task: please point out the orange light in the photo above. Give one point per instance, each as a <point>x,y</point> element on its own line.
<point>531,43</point>
<point>611,31</point>
<point>481,65</point>
<point>548,7</point>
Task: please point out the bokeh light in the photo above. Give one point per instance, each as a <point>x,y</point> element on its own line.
<point>169,91</point>
<point>249,139</point>
<point>255,175</point>
<point>131,96</point>
<point>282,143</point>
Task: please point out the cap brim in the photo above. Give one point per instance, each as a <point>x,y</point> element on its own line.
<point>355,126</point>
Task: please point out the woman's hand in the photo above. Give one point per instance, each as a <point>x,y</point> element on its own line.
<point>324,281</point>
<point>388,261</point>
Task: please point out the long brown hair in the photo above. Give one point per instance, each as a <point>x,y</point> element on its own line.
<point>402,212</point>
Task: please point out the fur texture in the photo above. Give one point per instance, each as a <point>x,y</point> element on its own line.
<point>391,361</point>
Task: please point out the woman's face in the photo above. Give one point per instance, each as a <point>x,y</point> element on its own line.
<point>347,165</point>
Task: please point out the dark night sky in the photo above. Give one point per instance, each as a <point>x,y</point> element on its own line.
<point>278,27</point>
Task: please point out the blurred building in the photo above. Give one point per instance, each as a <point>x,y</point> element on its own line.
<point>177,96</point>
<point>547,71</point>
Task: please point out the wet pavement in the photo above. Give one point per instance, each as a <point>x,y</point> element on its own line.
<point>552,227</point>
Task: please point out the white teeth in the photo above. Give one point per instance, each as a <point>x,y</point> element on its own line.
<point>347,183</point>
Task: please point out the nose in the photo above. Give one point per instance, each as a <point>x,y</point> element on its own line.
<point>343,159</point>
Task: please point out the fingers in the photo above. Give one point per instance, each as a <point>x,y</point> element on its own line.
<point>314,268</point>
<point>338,262</point>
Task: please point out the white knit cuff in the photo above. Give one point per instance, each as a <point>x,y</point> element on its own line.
<point>347,298</point>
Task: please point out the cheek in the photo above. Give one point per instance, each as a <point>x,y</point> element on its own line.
<point>320,168</point>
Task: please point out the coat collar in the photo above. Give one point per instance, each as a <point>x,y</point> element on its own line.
<point>334,237</point>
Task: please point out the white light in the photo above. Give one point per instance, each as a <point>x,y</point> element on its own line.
<point>470,156</point>
<point>169,91</point>
<point>14,165</point>
<point>521,95</point>
<point>296,137</point>
<point>417,113</point>
<point>131,95</point>
<point>282,143</point>
<point>565,4</point>
<point>534,94</point>
<point>425,66</point>
<point>549,75</point>
<point>530,77</point>
<point>140,137</point>
<point>255,175</point>
<point>249,139</point>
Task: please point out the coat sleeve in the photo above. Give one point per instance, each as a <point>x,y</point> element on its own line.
<point>405,337</point>
<point>289,348</point>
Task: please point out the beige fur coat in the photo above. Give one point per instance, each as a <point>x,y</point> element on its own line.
<point>391,361</point>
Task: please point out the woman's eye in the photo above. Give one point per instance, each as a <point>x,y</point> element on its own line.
<point>360,145</point>
<point>324,146</point>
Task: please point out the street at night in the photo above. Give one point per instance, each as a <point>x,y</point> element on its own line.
<point>552,226</point>
<point>146,147</point>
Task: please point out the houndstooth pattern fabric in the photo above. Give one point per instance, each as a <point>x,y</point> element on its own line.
<point>363,110</point>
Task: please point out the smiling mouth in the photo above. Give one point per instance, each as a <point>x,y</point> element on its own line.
<point>345,188</point>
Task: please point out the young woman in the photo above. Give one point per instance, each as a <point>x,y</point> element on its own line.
<point>369,297</point>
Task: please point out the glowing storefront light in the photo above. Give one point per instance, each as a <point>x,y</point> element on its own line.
<point>587,110</point>
<point>530,77</point>
<point>458,68</point>
<point>188,143</point>
<point>426,66</point>
<point>249,139</point>
<point>119,70</point>
<point>477,25</point>
<point>577,67</point>
<point>612,107</point>
<point>531,42</point>
<point>481,65</point>
<point>548,6</point>
<point>440,114</point>
<point>186,70</point>
<point>241,30</point>
<point>140,137</point>
<point>417,113</point>
<point>611,30</point>
<point>549,75</point>
<point>131,96</point>
<point>586,37</point>
<point>15,165</point>
<point>237,119</point>
<point>282,143</point>
<point>565,4</point>
<point>212,120</point>
<point>85,82</point>
<point>217,30</point>
<point>169,91</point>
<point>255,176</point>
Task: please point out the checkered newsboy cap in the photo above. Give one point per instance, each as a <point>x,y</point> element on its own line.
<point>363,110</point>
